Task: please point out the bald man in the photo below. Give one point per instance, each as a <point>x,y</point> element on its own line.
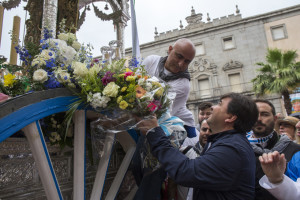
<point>172,69</point>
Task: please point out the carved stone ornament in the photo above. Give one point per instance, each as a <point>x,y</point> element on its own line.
<point>232,65</point>
<point>199,64</point>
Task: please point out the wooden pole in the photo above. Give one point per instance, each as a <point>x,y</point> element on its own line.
<point>15,40</point>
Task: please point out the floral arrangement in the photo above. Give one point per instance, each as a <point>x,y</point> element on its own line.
<point>64,62</point>
<point>111,86</point>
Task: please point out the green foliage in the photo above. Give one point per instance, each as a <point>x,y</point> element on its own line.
<point>280,73</point>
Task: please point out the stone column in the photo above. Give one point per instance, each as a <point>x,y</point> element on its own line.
<point>49,16</point>
<point>15,40</point>
<point>120,36</point>
<point>1,21</point>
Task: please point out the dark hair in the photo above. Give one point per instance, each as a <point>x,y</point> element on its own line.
<point>266,102</point>
<point>244,108</point>
<point>205,105</point>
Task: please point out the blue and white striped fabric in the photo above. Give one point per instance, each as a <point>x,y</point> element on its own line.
<point>262,140</point>
<point>170,123</point>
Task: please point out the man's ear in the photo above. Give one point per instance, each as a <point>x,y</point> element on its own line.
<point>170,49</point>
<point>231,118</point>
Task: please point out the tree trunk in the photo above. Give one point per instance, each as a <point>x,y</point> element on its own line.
<point>287,101</point>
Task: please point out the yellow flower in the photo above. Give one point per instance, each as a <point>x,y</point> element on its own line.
<point>131,100</point>
<point>121,75</point>
<point>123,105</point>
<point>156,84</point>
<point>9,80</point>
<point>159,92</point>
<point>123,89</point>
<point>130,78</point>
<point>128,70</point>
<point>119,99</point>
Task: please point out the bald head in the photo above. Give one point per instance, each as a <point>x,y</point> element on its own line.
<point>181,54</point>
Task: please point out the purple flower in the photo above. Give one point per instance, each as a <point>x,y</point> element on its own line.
<point>107,78</point>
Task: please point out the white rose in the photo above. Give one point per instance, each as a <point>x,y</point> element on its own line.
<point>80,69</point>
<point>111,89</point>
<point>66,54</point>
<point>40,75</point>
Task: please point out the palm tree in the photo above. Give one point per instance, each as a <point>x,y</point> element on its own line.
<point>281,74</point>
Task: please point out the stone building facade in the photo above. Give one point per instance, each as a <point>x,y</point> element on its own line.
<point>228,49</point>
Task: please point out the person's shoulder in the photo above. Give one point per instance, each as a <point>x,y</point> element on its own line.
<point>152,57</point>
<point>291,149</point>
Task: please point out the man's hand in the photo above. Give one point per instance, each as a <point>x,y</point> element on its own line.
<point>273,165</point>
<point>145,125</point>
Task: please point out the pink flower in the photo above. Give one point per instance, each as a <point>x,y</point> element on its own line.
<point>154,105</point>
<point>128,74</point>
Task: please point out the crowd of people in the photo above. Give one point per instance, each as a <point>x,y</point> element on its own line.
<point>239,150</point>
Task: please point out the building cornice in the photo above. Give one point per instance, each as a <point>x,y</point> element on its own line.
<point>210,27</point>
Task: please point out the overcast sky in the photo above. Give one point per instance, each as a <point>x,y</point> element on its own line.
<point>163,14</point>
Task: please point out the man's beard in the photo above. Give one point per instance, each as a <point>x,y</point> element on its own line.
<point>263,133</point>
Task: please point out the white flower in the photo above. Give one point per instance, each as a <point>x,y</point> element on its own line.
<point>56,43</point>
<point>67,54</point>
<point>111,89</point>
<point>80,69</point>
<point>39,61</point>
<point>76,45</point>
<point>47,54</point>
<point>71,36</point>
<point>99,101</point>
<point>62,76</point>
<point>141,81</point>
<point>40,75</point>
<point>148,86</point>
<point>63,36</point>
<point>95,69</point>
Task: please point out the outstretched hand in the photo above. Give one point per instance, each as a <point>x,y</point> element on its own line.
<point>146,124</point>
<point>273,165</point>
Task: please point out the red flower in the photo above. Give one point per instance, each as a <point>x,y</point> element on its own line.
<point>128,74</point>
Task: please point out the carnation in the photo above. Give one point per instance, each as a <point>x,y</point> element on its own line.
<point>40,75</point>
<point>111,89</point>
<point>123,105</point>
<point>130,78</point>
